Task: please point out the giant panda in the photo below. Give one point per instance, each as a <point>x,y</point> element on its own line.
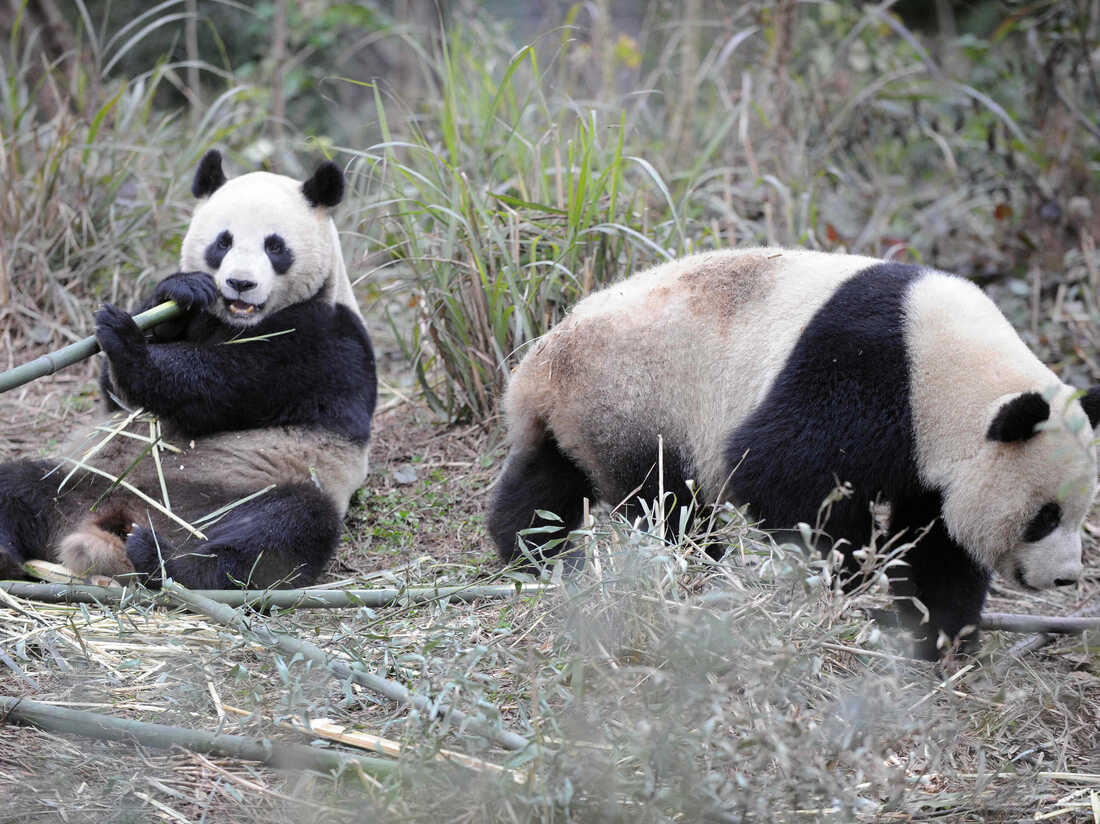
<point>770,375</point>
<point>264,392</point>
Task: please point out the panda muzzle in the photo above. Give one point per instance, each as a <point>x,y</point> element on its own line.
<point>240,308</point>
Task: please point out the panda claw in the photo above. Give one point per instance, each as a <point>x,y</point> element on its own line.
<point>116,331</point>
<point>191,290</point>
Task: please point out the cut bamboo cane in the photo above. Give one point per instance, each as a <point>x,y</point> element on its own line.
<point>60,593</point>
<point>76,352</point>
<point>343,670</point>
<point>1089,610</point>
<point>274,753</point>
<point>1038,623</point>
<point>325,728</point>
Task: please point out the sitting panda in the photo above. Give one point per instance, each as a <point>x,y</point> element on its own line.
<point>771,375</point>
<point>265,390</point>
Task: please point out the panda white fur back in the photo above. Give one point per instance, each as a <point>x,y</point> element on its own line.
<point>264,391</point>
<point>770,373</point>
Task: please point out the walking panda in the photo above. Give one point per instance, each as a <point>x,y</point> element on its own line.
<point>264,390</point>
<point>772,374</point>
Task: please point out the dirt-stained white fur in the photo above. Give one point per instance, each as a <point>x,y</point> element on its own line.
<point>694,345</point>
<point>691,399</point>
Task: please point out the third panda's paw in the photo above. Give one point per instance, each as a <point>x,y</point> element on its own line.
<point>191,290</point>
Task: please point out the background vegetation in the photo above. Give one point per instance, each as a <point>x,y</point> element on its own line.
<point>502,165</point>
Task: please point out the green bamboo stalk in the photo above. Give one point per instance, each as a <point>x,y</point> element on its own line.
<point>265,598</point>
<point>74,352</point>
<point>280,754</point>
<point>355,672</point>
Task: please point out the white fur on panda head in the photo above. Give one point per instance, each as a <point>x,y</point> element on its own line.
<point>1035,478</point>
<point>267,240</point>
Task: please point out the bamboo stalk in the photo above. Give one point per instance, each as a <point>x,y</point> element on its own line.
<point>328,729</point>
<point>75,352</point>
<point>1012,622</point>
<point>60,593</point>
<point>274,753</point>
<point>290,645</point>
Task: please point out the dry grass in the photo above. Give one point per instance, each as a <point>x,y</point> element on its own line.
<point>657,686</point>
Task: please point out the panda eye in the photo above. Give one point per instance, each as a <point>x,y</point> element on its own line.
<point>274,245</point>
<point>225,240</point>
<point>1044,523</point>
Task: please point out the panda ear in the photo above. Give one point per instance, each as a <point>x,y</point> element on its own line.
<point>326,187</point>
<point>1017,419</point>
<point>1090,402</point>
<point>209,177</point>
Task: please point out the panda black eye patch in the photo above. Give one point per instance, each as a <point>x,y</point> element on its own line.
<point>1044,523</point>
<point>217,250</point>
<point>277,252</point>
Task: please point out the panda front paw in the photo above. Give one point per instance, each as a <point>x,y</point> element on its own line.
<point>118,335</point>
<point>191,290</point>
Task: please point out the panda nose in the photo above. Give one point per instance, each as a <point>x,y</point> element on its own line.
<point>241,285</point>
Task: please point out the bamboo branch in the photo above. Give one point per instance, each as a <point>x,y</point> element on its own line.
<point>343,670</point>
<point>265,598</point>
<point>75,352</point>
<point>1012,622</point>
<point>280,754</point>
<point>1089,610</point>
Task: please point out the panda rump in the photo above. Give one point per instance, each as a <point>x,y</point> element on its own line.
<point>767,375</point>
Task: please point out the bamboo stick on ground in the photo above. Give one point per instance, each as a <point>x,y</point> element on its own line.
<point>75,352</point>
<point>61,593</point>
<point>1012,622</point>
<point>325,728</point>
<point>274,753</point>
<point>1045,637</point>
<point>290,645</point>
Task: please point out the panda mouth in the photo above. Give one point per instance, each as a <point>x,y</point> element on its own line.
<point>241,308</point>
<point>1019,576</point>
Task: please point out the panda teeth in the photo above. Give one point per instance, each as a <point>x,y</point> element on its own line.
<point>240,307</point>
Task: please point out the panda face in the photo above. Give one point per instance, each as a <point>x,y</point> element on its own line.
<point>266,246</point>
<point>1018,504</point>
<point>1059,483</point>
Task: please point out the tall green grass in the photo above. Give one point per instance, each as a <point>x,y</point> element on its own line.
<point>527,175</point>
<point>504,208</point>
<point>91,188</point>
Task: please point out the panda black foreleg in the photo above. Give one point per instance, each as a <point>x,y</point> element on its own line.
<point>27,515</point>
<point>540,477</point>
<point>944,578</point>
<point>283,538</point>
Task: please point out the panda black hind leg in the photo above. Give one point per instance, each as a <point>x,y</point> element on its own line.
<point>26,504</point>
<point>539,476</point>
<point>283,538</point>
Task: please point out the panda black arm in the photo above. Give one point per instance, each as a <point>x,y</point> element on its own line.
<point>316,369</point>
<point>193,291</point>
